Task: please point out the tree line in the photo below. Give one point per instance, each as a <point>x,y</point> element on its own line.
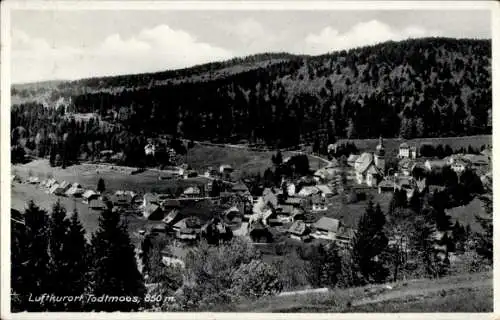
<point>416,88</point>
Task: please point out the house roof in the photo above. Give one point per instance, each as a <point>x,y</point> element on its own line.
<point>188,225</point>
<point>171,216</point>
<point>363,162</point>
<point>477,159</point>
<point>298,228</point>
<point>74,190</point>
<point>192,190</point>
<point>286,208</point>
<point>308,190</point>
<point>240,186</point>
<point>437,163</point>
<point>89,193</point>
<point>328,224</point>
<point>293,200</point>
<point>324,189</point>
<point>406,164</point>
<point>352,158</point>
<point>386,184</point>
<point>172,203</point>
<point>372,169</point>
<point>403,145</point>
<point>150,209</point>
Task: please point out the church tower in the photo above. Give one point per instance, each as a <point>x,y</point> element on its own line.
<point>380,155</point>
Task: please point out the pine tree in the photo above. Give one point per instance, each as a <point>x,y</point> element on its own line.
<point>114,270</point>
<point>57,234</point>
<point>75,252</point>
<point>36,266</point>
<point>101,187</point>
<point>332,266</point>
<point>370,243</point>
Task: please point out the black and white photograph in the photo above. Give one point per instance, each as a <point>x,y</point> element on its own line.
<point>232,157</point>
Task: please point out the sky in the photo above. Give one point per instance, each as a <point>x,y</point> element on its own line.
<point>68,45</point>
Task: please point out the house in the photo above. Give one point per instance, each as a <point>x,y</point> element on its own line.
<point>431,165</point>
<point>460,165</point>
<point>33,180</point>
<point>152,211</point>
<point>171,217</point>
<point>406,151</point>
<point>65,185</point>
<point>291,189</point>
<point>487,180</point>
<point>326,228</point>
<point>344,236</point>
<point>319,204</point>
<point>477,160</point>
<point>188,229</point>
<point>325,190</point>
<point>226,169</point>
<point>89,195</point>
<point>215,231</point>
<point>149,149</point>
<point>192,192</point>
<point>259,233</point>
<point>294,201</point>
<point>284,213</point>
<point>57,190</point>
<point>123,198</point>
<point>298,214</point>
<point>270,217</point>
<point>50,182</point>
<point>351,160</point>
<point>97,204</point>
<point>233,215</point>
<point>308,191</point>
<point>75,190</point>
<point>189,174</point>
<point>299,231</point>
<point>269,197</point>
<point>387,185</point>
<point>169,261</point>
<point>366,170</point>
<point>211,172</point>
<point>406,166</point>
<point>240,188</point>
<point>326,174</point>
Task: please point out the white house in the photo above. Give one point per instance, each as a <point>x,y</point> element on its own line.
<point>149,149</point>
<point>406,151</point>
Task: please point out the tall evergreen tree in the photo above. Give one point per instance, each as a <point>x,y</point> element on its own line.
<point>76,254</point>
<point>36,275</point>
<point>57,234</point>
<point>369,245</point>
<point>114,270</point>
<point>101,187</point>
<point>485,239</point>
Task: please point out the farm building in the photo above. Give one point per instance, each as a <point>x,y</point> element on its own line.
<point>326,228</point>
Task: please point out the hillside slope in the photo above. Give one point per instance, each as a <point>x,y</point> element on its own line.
<point>464,293</point>
<point>414,88</point>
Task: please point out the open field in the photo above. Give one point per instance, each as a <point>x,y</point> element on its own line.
<point>115,177</point>
<point>392,144</point>
<point>21,193</point>
<point>464,293</point>
<point>243,160</point>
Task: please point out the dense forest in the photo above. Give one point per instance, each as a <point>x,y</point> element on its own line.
<point>415,88</point>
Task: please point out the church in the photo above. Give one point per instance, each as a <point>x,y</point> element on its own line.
<point>370,167</point>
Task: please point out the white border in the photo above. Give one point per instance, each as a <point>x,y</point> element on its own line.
<point>7,6</point>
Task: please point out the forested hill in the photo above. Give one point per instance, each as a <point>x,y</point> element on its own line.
<point>414,88</point>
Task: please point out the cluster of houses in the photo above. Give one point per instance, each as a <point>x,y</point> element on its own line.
<point>370,167</point>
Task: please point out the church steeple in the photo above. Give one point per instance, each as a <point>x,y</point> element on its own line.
<point>380,147</point>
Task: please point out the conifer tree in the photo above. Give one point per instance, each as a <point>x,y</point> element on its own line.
<point>57,234</point>
<point>76,255</point>
<point>485,239</point>
<point>36,276</point>
<point>114,269</point>
<point>370,243</point>
<point>101,187</point>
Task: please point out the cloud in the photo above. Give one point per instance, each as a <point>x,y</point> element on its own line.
<point>361,34</point>
<point>154,49</point>
<point>253,36</point>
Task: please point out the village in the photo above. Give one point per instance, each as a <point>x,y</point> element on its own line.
<point>308,209</point>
